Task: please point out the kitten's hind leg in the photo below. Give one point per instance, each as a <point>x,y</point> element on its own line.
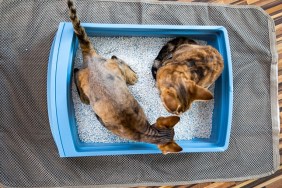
<point>82,84</point>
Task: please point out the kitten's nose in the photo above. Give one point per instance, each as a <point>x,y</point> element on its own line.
<point>178,113</point>
<point>178,110</point>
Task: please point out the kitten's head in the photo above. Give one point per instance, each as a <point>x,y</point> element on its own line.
<point>178,97</point>
<point>167,123</point>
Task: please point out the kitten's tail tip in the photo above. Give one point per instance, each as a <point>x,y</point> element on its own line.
<point>70,3</point>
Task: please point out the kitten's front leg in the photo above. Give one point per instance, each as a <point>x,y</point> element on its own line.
<point>129,75</point>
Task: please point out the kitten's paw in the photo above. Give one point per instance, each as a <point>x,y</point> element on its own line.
<point>131,77</point>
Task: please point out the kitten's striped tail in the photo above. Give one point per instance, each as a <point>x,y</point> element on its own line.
<point>84,41</point>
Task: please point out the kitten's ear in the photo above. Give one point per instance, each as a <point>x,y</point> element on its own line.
<point>167,122</point>
<point>171,147</point>
<point>201,93</point>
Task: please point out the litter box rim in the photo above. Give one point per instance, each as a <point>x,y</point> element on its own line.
<point>60,104</point>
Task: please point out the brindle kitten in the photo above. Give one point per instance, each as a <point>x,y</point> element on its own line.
<point>102,84</point>
<point>183,71</point>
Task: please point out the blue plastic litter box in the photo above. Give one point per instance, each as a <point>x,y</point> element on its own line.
<point>60,104</point>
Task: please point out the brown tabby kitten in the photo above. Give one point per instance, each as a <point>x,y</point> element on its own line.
<point>102,84</point>
<point>183,71</point>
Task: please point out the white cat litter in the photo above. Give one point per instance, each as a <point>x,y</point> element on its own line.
<point>139,53</point>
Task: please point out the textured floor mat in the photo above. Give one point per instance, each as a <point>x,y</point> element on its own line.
<point>29,157</point>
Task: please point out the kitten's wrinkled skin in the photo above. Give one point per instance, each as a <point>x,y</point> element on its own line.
<point>102,84</point>
<point>183,71</point>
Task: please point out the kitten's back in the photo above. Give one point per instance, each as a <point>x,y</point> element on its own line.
<point>205,62</point>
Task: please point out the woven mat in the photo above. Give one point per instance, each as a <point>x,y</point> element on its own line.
<point>28,154</point>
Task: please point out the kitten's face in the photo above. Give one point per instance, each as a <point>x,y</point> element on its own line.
<point>179,96</point>
<point>172,101</point>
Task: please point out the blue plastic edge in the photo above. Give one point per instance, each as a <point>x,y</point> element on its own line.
<point>230,89</point>
<point>51,89</point>
<point>61,115</point>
